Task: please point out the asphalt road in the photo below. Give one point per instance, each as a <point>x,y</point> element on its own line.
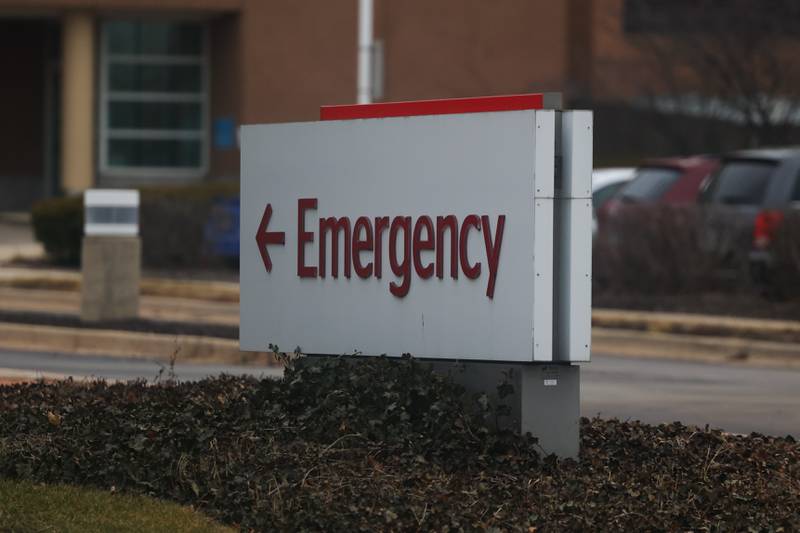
<point>740,399</point>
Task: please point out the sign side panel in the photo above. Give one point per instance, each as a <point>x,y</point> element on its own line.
<point>576,136</point>
<point>543,236</point>
<point>244,184</point>
<point>543,281</point>
<point>574,260</point>
<point>545,154</point>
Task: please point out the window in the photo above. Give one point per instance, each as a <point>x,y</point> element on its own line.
<point>153,99</point>
<point>796,193</point>
<point>649,183</point>
<point>741,182</point>
<point>655,16</point>
<point>603,194</point>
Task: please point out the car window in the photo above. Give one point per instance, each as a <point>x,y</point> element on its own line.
<point>741,182</point>
<point>601,195</point>
<point>649,183</point>
<point>796,194</point>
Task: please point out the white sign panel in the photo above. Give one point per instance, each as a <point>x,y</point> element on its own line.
<point>111,212</point>
<point>428,235</point>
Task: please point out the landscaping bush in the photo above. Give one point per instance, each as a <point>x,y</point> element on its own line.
<point>785,271</point>
<point>693,260</point>
<point>171,224</point>
<point>172,220</point>
<point>666,250</point>
<point>386,445</point>
<point>58,225</point>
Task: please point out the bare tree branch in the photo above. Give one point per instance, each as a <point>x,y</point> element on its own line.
<point>730,60</point>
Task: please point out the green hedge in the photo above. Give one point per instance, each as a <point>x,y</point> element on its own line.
<point>171,222</point>
<point>784,276</point>
<point>668,250</point>
<point>663,249</point>
<point>58,225</point>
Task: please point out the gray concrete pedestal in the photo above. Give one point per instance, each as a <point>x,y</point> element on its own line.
<point>111,270</point>
<point>545,401</point>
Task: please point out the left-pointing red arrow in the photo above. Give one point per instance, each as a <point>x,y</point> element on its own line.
<point>264,237</point>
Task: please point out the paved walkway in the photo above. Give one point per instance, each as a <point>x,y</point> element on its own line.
<point>16,238</point>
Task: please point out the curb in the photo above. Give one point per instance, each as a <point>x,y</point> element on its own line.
<point>698,325</point>
<point>218,291</point>
<point>19,218</point>
<point>657,345</point>
<point>11,376</point>
<point>114,343</point>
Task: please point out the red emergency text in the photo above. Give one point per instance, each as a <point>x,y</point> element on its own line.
<point>414,246</point>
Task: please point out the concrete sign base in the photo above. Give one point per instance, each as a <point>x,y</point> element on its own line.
<point>545,401</point>
<point>111,269</point>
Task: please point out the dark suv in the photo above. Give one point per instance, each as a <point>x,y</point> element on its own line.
<point>750,194</point>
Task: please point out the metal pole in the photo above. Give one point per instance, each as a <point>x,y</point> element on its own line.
<point>364,51</point>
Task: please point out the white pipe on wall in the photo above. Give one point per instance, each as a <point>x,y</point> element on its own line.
<point>365,17</point>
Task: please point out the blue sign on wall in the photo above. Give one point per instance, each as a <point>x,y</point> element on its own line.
<point>224,133</point>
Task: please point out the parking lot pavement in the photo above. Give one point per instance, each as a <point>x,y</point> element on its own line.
<point>739,399</point>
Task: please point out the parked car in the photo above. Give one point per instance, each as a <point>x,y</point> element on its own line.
<point>605,183</point>
<point>750,195</point>
<point>674,181</point>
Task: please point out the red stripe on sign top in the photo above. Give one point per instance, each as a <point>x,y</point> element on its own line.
<point>483,104</point>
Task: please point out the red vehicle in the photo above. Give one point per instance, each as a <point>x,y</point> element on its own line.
<point>673,180</point>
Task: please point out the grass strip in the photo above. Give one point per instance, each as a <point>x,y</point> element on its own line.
<point>29,507</point>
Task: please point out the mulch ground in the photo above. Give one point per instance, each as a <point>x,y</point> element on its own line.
<point>387,445</point>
